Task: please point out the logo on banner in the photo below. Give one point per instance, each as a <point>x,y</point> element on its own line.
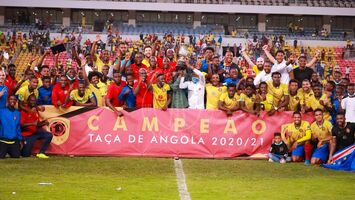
<point>60,128</point>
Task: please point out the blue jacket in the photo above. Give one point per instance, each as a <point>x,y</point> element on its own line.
<point>10,125</point>
<point>129,99</point>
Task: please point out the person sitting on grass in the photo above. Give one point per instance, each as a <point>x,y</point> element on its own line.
<point>298,133</point>
<point>33,129</point>
<point>321,134</point>
<point>278,150</point>
<point>229,101</point>
<point>10,130</point>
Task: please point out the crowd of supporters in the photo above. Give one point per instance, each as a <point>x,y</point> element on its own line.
<point>169,73</point>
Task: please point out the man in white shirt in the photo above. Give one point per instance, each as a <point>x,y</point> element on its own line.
<point>264,75</point>
<point>348,104</point>
<point>196,89</point>
<point>280,64</point>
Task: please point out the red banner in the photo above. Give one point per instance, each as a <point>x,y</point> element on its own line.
<point>172,133</point>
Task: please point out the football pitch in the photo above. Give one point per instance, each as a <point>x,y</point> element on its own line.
<point>156,178</point>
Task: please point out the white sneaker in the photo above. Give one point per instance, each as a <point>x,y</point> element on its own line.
<point>270,160</point>
<point>282,161</point>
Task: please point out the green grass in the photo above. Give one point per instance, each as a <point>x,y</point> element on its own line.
<point>88,178</point>
<point>154,178</point>
<point>246,179</point>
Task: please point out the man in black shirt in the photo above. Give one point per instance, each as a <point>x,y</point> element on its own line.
<point>343,135</point>
<point>303,71</point>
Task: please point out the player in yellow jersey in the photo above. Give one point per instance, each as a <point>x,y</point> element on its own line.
<point>161,93</point>
<point>321,101</point>
<point>321,134</point>
<point>214,90</point>
<point>297,135</point>
<point>294,103</point>
<point>247,100</point>
<point>306,95</point>
<point>266,99</point>
<point>279,91</point>
<point>229,101</point>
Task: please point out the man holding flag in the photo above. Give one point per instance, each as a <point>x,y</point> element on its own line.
<point>343,143</point>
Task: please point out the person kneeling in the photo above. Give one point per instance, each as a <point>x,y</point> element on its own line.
<point>32,130</point>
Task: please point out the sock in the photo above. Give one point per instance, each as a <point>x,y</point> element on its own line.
<point>308,151</point>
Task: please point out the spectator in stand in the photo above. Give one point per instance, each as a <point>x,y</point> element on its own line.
<point>320,69</point>
<point>348,104</point>
<point>347,72</point>
<point>114,89</point>
<point>297,136</point>
<point>45,92</point>
<point>33,129</point>
<point>279,91</point>
<point>82,96</point>
<point>343,135</point>
<point>294,103</point>
<point>213,92</point>
<point>229,101</point>
<point>127,94</point>
<point>10,130</point>
<point>303,71</point>
<point>321,135</point>
<point>60,92</point>
<point>4,91</point>
<point>195,87</point>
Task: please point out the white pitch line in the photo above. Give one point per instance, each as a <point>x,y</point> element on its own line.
<point>181,181</point>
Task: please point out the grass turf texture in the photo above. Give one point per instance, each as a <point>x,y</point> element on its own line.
<point>154,178</point>
<point>88,178</point>
<point>246,179</point>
